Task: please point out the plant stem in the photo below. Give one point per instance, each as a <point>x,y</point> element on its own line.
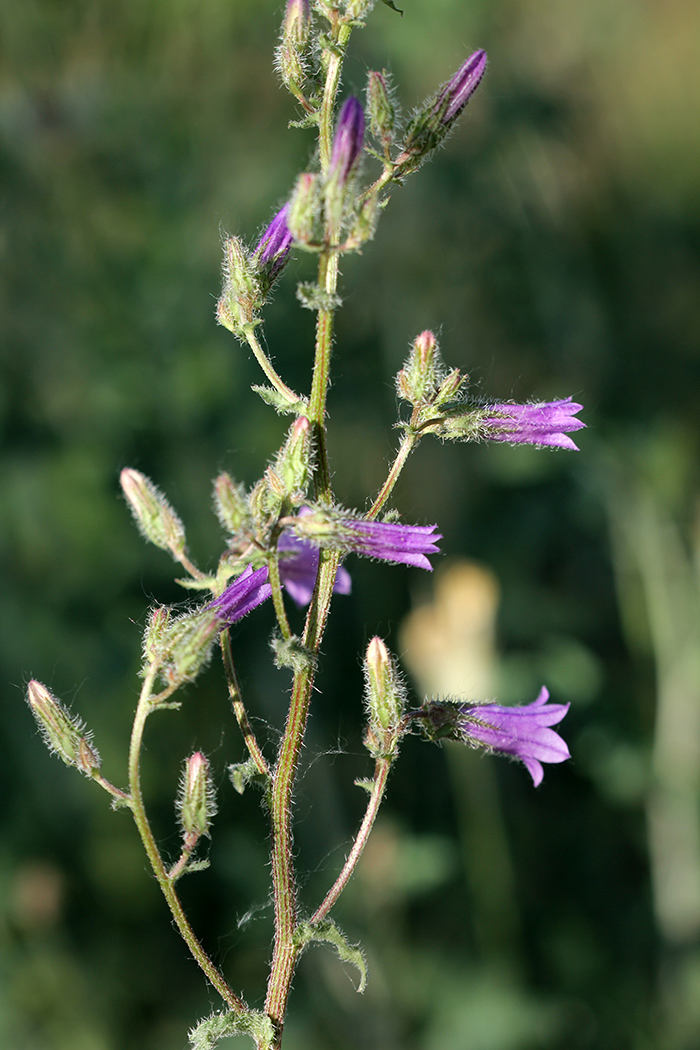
<point>381,773</point>
<point>286,947</point>
<point>409,441</point>
<point>139,811</point>
<point>267,367</point>
<point>234,691</point>
<point>273,572</point>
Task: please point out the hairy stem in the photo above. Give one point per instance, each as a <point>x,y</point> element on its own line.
<point>267,367</point>
<point>234,691</point>
<point>273,570</point>
<point>143,710</point>
<point>405,448</point>
<point>381,773</point>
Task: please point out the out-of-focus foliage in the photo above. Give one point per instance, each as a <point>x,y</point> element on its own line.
<point>554,243</point>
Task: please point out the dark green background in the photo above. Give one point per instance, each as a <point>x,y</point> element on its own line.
<point>554,245</point>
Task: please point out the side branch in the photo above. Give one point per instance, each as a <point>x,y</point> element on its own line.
<point>380,778</point>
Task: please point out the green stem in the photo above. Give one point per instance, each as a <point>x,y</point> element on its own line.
<point>143,710</point>
<point>239,710</point>
<point>267,367</point>
<point>273,571</point>
<point>286,948</point>
<point>405,448</point>
<point>381,773</point>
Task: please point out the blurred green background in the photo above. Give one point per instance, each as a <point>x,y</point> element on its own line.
<point>554,245</point>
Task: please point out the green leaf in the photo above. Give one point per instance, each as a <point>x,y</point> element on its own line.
<point>209,1033</point>
<point>280,402</point>
<point>392,5</point>
<point>243,773</point>
<point>327,931</point>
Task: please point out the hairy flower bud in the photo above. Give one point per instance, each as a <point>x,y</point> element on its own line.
<point>196,802</point>
<point>64,734</point>
<point>290,55</point>
<point>381,110</point>
<point>347,147</point>
<point>384,693</point>
<point>435,120</point>
<point>417,380</point>
<point>304,208</point>
<point>154,639</point>
<point>242,294</point>
<point>156,519</point>
<point>231,505</point>
<point>273,248</point>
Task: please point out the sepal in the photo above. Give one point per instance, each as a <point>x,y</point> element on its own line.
<point>255,1024</point>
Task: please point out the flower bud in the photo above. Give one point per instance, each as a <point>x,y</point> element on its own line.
<point>156,519</point>
<point>384,694</point>
<point>196,802</point>
<point>304,208</point>
<point>347,141</point>
<point>156,630</point>
<point>297,23</point>
<point>435,120</point>
<point>231,505</point>
<point>64,734</point>
<point>242,294</point>
<point>273,248</point>
<point>381,110</point>
<point>347,147</point>
<point>417,380</point>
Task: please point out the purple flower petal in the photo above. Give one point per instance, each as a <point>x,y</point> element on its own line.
<point>519,731</point>
<point>400,544</point>
<point>275,244</point>
<point>299,568</point>
<point>246,592</point>
<point>348,140</point>
<point>460,87</point>
<point>543,423</point>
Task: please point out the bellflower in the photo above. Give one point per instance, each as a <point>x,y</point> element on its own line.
<point>399,544</point>
<point>299,568</point>
<point>275,244</point>
<point>522,732</point>
<point>246,592</point>
<point>543,423</point>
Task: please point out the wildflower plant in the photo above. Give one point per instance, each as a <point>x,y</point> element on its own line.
<point>288,538</point>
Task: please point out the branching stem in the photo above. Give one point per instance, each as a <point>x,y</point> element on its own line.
<point>145,706</point>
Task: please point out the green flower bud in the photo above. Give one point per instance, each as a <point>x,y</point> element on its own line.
<point>156,519</point>
<point>417,380</point>
<point>154,639</point>
<point>196,802</point>
<point>187,644</point>
<point>242,294</point>
<point>382,115</point>
<point>385,697</point>
<point>305,208</point>
<point>64,734</point>
<point>231,505</point>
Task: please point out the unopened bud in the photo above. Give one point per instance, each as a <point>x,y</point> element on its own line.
<point>304,208</point>
<point>381,110</point>
<point>156,631</point>
<point>347,147</point>
<point>416,382</point>
<point>273,248</point>
<point>156,519</point>
<point>385,700</point>
<point>450,387</point>
<point>435,120</point>
<point>231,505</point>
<point>357,9</point>
<point>196,802</point>
<point>297,22</point>
<point>242,294</point>
<point>65,735</point>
